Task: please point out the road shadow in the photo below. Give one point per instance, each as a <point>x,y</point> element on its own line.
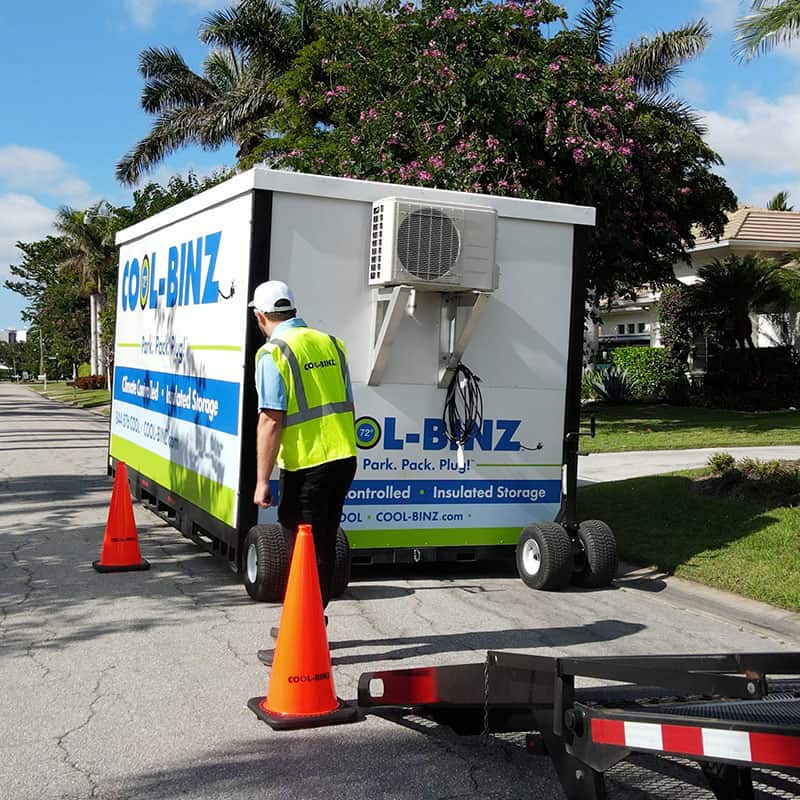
<point>425,644</point>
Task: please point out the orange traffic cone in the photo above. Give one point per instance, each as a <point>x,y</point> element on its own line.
<point>121,544</point>
<point>301,692</point>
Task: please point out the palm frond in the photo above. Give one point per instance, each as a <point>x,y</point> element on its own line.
<point>170,83</point>
<point>223,68</point>
<point>172,130</point>
<point>674,110</point>
<point>780,202</point>
<point>594,24</point>
<point>768,26</point>
<point>653,63</point>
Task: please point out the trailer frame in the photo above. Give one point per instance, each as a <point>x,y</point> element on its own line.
<point>722,710</point>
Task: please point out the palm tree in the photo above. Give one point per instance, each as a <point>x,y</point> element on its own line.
<point>780,202</point>
<point>730,292</point>
<point>253,43</point>
<point>652,62</point>
<point>89,250</point>
<point>770,24</point>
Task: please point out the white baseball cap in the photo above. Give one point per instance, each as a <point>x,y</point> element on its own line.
<point>272,296</point>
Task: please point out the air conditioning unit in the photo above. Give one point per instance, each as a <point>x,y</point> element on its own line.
<point>440,248</point>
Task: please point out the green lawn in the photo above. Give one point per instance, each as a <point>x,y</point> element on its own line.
<point>651,427</point>
<point>84,398</point>
<point>743,547</point>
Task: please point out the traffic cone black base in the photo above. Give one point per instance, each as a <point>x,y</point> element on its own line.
<point>292,722</point>
<point>266,656</point>
<point>142,565</point>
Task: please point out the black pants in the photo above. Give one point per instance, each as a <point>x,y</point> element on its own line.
<point>316,496</point>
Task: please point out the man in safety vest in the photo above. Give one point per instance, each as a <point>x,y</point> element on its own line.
<point>305,424</point>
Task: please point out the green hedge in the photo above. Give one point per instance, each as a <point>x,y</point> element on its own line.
<point>654,374</point>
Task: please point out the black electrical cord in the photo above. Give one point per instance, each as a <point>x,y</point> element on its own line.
<point>462,415</point>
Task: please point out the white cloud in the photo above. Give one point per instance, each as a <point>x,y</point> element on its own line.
<point>757,139</point>
<point>22,218</point>
<point>143,12</point>
<point>29,169</point>
<point>758,134</point>
<point>722,14</point>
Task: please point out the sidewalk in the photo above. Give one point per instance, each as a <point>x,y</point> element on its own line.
<point>603,467</point>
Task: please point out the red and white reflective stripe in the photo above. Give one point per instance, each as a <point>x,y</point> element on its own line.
<point>756,748</point>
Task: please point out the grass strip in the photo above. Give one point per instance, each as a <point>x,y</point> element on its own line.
<point>743,547</point>
<point>659,427</point>
<point>83,398</point>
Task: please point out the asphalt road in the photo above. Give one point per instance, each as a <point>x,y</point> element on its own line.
<point>134,685</point>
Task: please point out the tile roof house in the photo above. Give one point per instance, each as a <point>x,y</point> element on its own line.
<point>748,230</point>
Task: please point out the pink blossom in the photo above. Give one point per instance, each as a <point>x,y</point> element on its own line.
<point>355,139</point>
<point>472,155</point>
<point>341,89</point>
<point>437,162</point>
<point>391,140</point>
<point>684,190</point>
<point>528,12</point>
<point>441,127</point>
<point>369,114</point>
<point>398,114</point>
<point>480,167</point>
<point>630,106</point>
<point>624,151</point>
<point>521,76</point>
<point>472,23</point>
<point>554,66</point>
<point>499,160</point>
<point>303,101</point>
<point>492,143</point>
<point>449,13</point>
<point>572,103</point>
<point>461,146</point>
<point>579,155</point>
<point>461,46</point>
<point>424,175</point>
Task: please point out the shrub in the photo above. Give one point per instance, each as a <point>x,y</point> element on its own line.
<point>653,373</point>
<point>722,463</point>
<point>84,370</point>
<point>91,382</point>
<point>612,385</point>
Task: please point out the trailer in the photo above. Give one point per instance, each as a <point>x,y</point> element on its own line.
<point>728,712</point>
<point>463,317</point>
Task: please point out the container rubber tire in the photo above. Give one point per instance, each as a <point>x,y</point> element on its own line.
<point>265,563</point>
<point>341,568</point>
<point>544,556</point>
<point>600,555</point>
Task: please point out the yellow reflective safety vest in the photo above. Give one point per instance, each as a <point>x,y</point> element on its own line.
<point>318,425</point>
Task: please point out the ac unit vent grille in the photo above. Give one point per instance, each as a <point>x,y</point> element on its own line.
<point>428,244</point>
<point>376,243</point>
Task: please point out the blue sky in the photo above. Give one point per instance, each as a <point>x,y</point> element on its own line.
<point>70,92</point>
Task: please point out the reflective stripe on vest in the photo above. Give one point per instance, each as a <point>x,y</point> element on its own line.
<point>304,413</point>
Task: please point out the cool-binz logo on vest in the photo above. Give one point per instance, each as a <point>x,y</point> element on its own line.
<point>329,362</point>
<point>189,278</point>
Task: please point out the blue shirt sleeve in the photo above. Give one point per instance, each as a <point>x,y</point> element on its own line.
<point>270,386</point>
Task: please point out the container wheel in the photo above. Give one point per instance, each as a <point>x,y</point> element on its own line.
<point>599,555</point>
<point>544,556</point>
<point>341,569</point>
<point>266,563</point>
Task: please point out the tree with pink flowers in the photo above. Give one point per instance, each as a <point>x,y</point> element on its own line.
<point>510,100</point>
